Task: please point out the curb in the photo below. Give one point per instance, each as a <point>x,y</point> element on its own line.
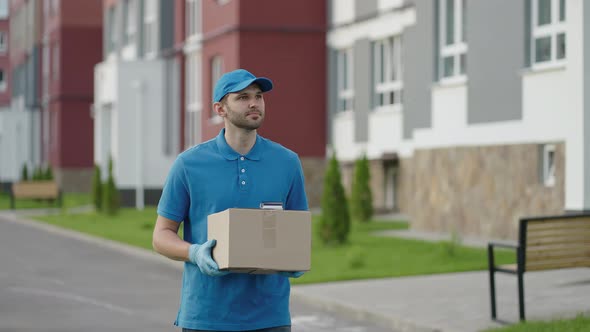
<point>359,314</point>
<point>102,242</point>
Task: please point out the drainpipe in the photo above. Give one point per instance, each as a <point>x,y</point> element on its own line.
<point>139,185</point>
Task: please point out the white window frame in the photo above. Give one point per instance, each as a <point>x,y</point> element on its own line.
<point>55,62</point>
<point>4,10</point>
<point>216,72</point>
<point>549,165</point>
<point>194,103</point>
<point>391,87</point>
<point>193,19</point>
<point>45,69</point>
<point>551,30</point>
<point>2,80</point>
<point>456,49</point>
<point>150,28</point>
<point>344,80</point>
<point>130,21</point>
<point>3,41</point>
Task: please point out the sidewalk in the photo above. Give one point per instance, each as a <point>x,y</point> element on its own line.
<point>454,301</point>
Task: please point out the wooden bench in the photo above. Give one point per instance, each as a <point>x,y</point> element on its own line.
<point>35,190</point>
<point>544,243</point>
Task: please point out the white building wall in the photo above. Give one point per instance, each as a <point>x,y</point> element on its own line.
<point>385,125</point>
<point>129,123</point>
<point>16,143</point>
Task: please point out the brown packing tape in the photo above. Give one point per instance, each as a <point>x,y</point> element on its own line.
<point>269,229</point>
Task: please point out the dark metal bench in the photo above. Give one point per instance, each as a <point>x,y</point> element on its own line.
<point>544,243</point>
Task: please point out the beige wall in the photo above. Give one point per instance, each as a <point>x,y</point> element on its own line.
<point>479,191</point>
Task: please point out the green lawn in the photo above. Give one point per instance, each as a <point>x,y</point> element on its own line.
<point>69,200</point>
<point>366,256</point>
<point>578,324</point>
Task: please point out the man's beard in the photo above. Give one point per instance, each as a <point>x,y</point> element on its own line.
<point>242,121</point>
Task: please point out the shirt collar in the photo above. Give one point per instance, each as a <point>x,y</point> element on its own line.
<point>230,154</point>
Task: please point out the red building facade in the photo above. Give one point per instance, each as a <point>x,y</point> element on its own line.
<point>286,42</point>
<point>72,45</point>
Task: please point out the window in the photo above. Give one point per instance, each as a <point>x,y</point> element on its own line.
<point>387,72</point>
<point>2,81</point>
<point>112,29</point>
<point>3,42</point>
<point>3,9</point>
<point>45,70</point>
<point>151,30</point>
<point>55,63</point>
<point>549,165</point>
<point>193,99</point>
<point>453,39</point>
<point>54,7</point>
<point>344,80</point>
<point>216,72</point>
<point>129,21</point>
<point>222,2</point>
<point>193,17</point>
<point>548,32</point>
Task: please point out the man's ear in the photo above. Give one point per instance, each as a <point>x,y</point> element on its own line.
<point>218,108</point>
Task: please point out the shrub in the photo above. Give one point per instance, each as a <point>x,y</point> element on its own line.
<point>335,219</point>
<point>110,200</point>
<point>48,175</point>
<point>97,189</point>
<point>24,173</point>
<point>361,200</point>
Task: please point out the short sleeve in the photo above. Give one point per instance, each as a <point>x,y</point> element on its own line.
<point>297,199</point>
<point>175,200</point>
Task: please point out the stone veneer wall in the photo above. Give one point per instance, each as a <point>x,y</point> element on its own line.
<point>313,170</point>
<point>78,180</point>
<point>478,191</point>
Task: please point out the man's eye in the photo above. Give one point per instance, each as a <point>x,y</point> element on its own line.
<point>258,96</point>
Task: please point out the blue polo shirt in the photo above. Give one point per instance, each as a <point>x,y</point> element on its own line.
<point>210,178</point>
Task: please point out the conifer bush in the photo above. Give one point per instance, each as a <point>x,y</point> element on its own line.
<point>110,200</point>
<point>335,220</point>
<point>97,189</point>
<point>361,200</point>
<point>24,173</point>
<point>48,175</point>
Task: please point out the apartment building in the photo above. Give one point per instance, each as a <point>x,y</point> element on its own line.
<point>20,122</point>
<point>5,91</point>
<point>470,122</point>
<point>71,44</point>
<point>282,40</point>
<point>136,107</point>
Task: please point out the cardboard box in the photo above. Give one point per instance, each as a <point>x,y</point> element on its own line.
<point>261,241</point>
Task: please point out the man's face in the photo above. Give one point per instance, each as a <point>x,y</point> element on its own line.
<point>245,109</point>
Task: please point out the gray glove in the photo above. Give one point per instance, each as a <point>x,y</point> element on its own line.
<point>200,255</point>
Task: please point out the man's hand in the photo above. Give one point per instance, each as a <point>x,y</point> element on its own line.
<point>200,255</point>
<point>291,274</point>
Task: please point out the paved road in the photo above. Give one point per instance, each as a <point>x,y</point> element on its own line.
<point>52,282</point>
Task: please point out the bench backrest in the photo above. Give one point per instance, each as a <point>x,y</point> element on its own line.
<point>556,242</point>
<point>35,189</point>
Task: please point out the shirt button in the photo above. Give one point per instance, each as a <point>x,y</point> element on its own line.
<point>241,158</point>
<point>243,183</point>
<point>243,170</point>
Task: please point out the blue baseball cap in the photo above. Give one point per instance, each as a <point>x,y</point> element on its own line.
<point>238,80</point>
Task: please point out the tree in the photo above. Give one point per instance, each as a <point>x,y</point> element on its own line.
<point>24,173</point>
<point>37,174</point>
<point>335,219</point>
<point>48,175</point>
<point>97,189</point>
<point>110,201</point>
<point>361,200</point>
